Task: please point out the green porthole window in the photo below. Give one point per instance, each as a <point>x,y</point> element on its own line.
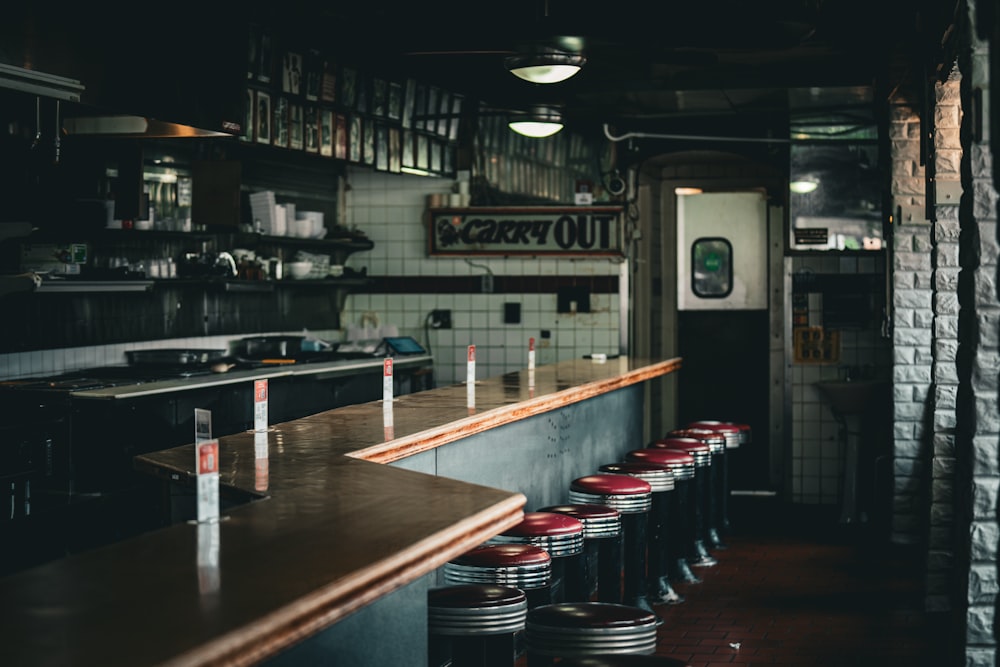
<point>712,268</point>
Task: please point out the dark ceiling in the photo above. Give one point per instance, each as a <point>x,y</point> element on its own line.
<point>723,67</point>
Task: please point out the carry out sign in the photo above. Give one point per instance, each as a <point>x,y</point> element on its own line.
<point>537,230</point>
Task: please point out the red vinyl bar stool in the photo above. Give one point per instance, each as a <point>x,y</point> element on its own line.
<point>624,661</point>
<point>736,435</point>
<point>702,454</point>
<point>579,629</point>
<point>523,566</point>
<point>661,480</point>
<point>602,548</point>
<point>562,537</point>
<point>716,442</point>
<point>679,513</point>
<point>474,625</point>
<point>632,497</point>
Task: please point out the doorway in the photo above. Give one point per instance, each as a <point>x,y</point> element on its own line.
<point>723,322</point>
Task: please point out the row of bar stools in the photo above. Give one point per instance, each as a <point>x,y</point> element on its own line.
<point>474,625</point>
<point>661,481</point>
<point>633,498</point>
<point>679,511</point>
<point>702,453</point>
<point>562,537</point>
<point>587,628</point>
<point>523,566</point>
<point>602,548</point>
<point>736,435</point>
<point>716,442</point>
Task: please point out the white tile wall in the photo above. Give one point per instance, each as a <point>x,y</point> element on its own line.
<point>389,208</point>
<point>817,450</point>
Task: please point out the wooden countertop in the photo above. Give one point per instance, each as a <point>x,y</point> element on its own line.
<point>329,533</point>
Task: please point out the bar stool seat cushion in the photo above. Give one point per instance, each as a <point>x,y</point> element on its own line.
<point>598,520</point>
<point>590,628</point>
<point>503,555</point>
<point>545,523</point>
<point>475,609</point>
<point>610,484</point>
<point>659,476</point>
<point>661,455</point>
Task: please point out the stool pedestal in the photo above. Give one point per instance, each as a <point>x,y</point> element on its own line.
<point>523,566</point>
<point>736,434</point>
<point>680,505</point>
<point>472,625</point>
<point>698,555</point>
<point>715,481</point>
<point>661,480</point>
<point>562,537</point>
<point>632,497</point>
<point>583,629</point>
<point>602,552</point>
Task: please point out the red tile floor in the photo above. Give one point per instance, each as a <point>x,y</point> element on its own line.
<point>797,588</point>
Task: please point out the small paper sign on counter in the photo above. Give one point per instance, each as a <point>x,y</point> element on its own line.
<point>209,546</point>
<point>207,465</point>
<point>260,405</point>
<point>261,463</point>
<point>202,425</point>
<point>531,353</point>
<point>387,380</point>
<point>470,379</point>
<point>388,428</point>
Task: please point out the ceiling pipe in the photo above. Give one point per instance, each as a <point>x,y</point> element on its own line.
<point>689,137</point>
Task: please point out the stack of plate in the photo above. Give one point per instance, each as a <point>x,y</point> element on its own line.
<point>262,208</point>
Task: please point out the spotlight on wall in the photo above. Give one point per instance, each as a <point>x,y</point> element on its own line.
<point>541,121</point>
<point>545,65</point>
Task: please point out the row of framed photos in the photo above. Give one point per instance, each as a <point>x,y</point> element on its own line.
<point>310,76</point>
<point>283,122</point>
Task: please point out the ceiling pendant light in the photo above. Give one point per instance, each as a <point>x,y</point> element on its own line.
<point>540,122</point>
<point>803,186</point>
<point>545,66</point>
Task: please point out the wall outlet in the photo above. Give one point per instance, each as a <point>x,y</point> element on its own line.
<point>440,319</point>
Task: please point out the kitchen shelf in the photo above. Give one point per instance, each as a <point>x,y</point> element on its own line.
<point>63,286</point>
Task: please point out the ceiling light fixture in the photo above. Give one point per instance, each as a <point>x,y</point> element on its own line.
<point>545,66</point>
<point>803,186</point>
<point>540,122</point>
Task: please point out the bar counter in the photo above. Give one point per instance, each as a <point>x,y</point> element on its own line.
<point>331,530</point>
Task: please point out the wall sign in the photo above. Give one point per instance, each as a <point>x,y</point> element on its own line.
<point>537,230</point>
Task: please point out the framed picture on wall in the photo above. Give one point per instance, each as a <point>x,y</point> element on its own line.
<point>263,134</point>
<point>348,81</point>
<point>311,128</point>
<point>443,113</point>
<point>368,143</point>
<point>313,65</point>
<point>431,112</point>
<point>296,129</point>
<point>394,105</point>
<point>248,116</point>
<point>435,155</point>
<point>280,122</point>
<point>456,115</point>
<point>291,73</point>
<point>380,97</point>
<point>407,158</point>
<point>265,58</point>
<point>420,107</point>
<point>355,137</point>
<point>423,152</point>
<point>326,132</point>
<point>409,99</point>
<point>253,48</point>
<point>363,94</point>
<point>340,137</point>
<point>395,158</point>
<point>381,147</point>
